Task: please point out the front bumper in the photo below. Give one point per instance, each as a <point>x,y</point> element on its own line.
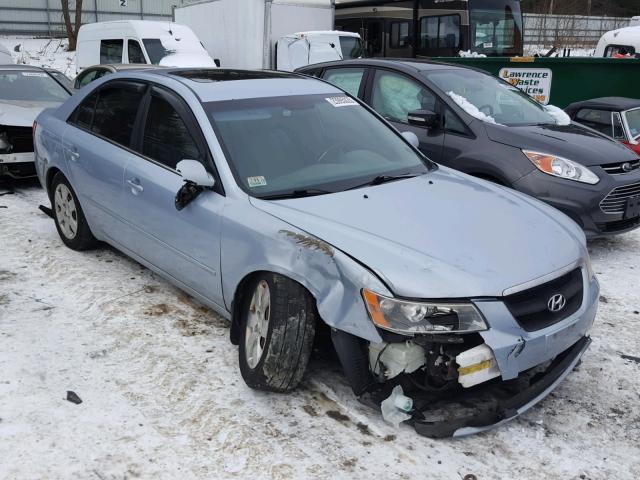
<point>17,165</point>
<point>497,402</point>
<point>580,201</point>
<point>531,363</point>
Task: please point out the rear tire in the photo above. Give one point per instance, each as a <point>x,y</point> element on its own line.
<point>70,221</point>
<point>277,328</point>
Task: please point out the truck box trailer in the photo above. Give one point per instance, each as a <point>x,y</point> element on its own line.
<point>257,34</point>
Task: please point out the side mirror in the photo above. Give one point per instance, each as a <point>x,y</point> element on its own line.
<point>412,138</point>
<point>194,172</point>
<point>196,179</point>
<point>424,118</point>
<point>217,62</point>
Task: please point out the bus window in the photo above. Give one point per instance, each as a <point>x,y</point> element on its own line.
<point>494,28</point>
<point>399,37</point>
<point>440,32</point>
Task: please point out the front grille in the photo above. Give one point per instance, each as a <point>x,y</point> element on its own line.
<point>530,307</point>
<point>618,225</point>
<point>616,201</point>
<point>21,138</point>
<point>621,168</point>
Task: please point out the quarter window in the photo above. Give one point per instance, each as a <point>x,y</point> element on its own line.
<point>111,51</point>
<point>83,114</point>
<point>399,35</point>
<point>86,78</point>
<point>135,52</point>
<point>348,79</point>
<point>395,95</point>
<point>166,136</point>
<point>115,113</point>
<point>453,124</point>
<point>440,32</point>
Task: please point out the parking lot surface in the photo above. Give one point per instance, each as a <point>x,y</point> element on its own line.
<point>162,395</point>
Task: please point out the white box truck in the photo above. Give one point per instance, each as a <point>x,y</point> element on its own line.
<point>269,34</point>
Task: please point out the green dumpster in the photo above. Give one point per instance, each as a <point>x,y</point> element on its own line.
<point>561,81</point>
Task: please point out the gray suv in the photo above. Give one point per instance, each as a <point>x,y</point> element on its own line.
<point>471,121</point>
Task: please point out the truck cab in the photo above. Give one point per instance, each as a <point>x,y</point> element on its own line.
<point>140,41</point>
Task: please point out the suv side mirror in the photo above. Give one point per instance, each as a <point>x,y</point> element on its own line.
<point>194,172</point>
<point>424,118</point>
<point>196,179</point>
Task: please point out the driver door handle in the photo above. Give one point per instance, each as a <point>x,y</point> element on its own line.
<point>136,188</point>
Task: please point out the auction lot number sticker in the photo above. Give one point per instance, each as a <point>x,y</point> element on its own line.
<point>535,82</point>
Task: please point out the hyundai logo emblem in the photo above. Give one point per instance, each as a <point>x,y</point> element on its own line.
<point>556,303</point>
<point>627,167</point>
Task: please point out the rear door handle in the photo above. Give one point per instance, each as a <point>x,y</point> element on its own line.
<point>136,188</point>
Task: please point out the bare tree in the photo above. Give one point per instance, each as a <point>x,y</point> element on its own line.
<point>72,28</point>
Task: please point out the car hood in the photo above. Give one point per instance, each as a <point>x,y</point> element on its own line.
<point>440,235</point>
<point>574,142</point>
<point>22,113</point>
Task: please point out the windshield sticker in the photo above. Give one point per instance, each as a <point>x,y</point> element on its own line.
<point>34,74</point>
<point>256,181</point>
<point>341,101</point>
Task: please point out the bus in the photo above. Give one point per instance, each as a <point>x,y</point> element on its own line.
<point>434,28</point>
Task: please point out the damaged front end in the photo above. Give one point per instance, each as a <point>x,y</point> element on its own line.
<point>455,369</point>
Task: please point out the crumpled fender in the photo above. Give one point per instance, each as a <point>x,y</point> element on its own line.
<point>255,241</point>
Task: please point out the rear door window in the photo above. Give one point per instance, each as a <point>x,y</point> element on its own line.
<point>166,135</point>
<point>111,51</point>
<point>116,111</point>
<point>348,79</point>
<point>395,95</point>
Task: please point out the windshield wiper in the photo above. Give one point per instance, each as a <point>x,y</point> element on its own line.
<point>305,192</point>
<point>380,179</point>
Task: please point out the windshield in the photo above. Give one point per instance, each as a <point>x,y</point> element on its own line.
<point>280,145</point>
<point>31,86</point>
<point>156,50</point>
<point>633,120</point>
<point>488,98</point>
<point>351,47</point>
<point>495,26</point>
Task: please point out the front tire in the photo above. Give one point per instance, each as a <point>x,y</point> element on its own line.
<point>70,221</point>
<point>277,328</point>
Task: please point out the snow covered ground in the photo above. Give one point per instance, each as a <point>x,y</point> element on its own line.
<point>162,396</point>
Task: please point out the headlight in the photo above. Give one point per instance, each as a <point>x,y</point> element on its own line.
<point>422,317</point>
<point>561,167</point>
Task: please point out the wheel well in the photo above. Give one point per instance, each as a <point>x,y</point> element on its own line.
<point>238,299</point>
<point>50,174</point>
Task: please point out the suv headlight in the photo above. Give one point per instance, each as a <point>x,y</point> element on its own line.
<point>409,317</point>
<point>561,167</point>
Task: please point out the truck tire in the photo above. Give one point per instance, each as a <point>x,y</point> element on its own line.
<point>277,327</point>
<point>70,221</point>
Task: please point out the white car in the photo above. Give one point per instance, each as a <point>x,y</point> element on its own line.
<point>24,93</point>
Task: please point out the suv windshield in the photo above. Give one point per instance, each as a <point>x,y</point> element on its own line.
<point>496,100</point>
<point>633,120</point>
<point>32,86</point>
<point>351,47</point>
<point>494,27</point>
<point>296,144</point>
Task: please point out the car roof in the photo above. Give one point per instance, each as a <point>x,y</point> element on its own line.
<point>416,65</point>
<point>217,84</point>
<point>124,66</point>
<point>612,104</point>
<point>14,66</point>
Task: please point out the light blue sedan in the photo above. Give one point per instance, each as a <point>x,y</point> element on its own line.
<point>289,207</point>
